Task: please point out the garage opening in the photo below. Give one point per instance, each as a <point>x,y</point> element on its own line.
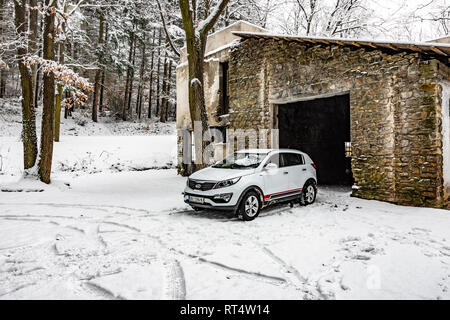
<point>321,128</point>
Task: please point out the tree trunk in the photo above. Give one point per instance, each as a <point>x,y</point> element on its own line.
<point>98,72</point>
<point>28,115</point>
<point>197,106</point>
<point>125,102</point>
<point>130,93</point>
<point>158,93</point>
<point>59,95</point>
<point>141,77</point>
<point>33,45</point>
<point>102,86</point>
<point>38,73</point>
<point>163,113</point>
<point>102,90</point>
<point>46,152</point>
<point>150,84</point>
<point>196,37</point>
<point>2,40</point>
<point>168,83</point>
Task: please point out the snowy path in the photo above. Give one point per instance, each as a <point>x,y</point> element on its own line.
<point>95,241</point>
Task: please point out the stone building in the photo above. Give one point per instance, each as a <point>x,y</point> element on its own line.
<point>371,114</point>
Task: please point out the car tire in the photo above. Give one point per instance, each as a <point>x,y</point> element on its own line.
<point>309,193</point>
<point>250,206</point>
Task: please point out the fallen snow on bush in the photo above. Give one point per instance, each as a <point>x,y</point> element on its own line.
<point>94,154</point>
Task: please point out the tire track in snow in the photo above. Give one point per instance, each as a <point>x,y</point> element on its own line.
<point>272,279</point>
<point>2,294</point>
<point>101,291</point>
<point>312,291</point>
<point>123,225</point>
<point>175,284</point>
<point>84,206</point>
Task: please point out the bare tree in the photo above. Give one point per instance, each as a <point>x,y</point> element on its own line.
<point>98,72</point>
<point>341,18</point>
<point>28,112</point>
<point>196,36</point>
<point>46,151</point>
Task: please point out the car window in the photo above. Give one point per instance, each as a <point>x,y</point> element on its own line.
<point>291,159</point>
<point>276,159</point>
<point>241,160</point>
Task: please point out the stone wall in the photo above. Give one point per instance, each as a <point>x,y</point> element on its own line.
<point>395,109</point>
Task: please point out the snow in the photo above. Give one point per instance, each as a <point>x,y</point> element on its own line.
<point>79,125</point>
<point>195,81</point>
<point>350,40</point>
<point>230,45</point>
<point>446,131</point>
<point>101,233</point>
<point>95,154</point>
<point>128,235</point>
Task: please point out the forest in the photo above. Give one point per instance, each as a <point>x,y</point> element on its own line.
<point>117,59</point>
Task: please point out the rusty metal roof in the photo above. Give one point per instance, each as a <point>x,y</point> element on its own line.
<point>437,50</point>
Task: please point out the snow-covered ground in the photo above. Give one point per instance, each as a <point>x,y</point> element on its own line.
<point>128,235</point>
<point>104,230</point>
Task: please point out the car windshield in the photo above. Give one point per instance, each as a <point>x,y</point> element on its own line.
<point>241,160</point>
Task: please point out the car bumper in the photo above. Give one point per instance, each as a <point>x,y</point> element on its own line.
<point>209,200</point>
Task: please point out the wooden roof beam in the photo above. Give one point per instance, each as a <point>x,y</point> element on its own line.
<point>438,51</point>
<point>390,46</point>
<point>415,48</point>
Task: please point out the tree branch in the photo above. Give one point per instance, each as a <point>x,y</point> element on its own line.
<point>169,37</point>
<point>211,20</point>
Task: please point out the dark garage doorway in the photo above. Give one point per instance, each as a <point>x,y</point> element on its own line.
<point>321,128</point>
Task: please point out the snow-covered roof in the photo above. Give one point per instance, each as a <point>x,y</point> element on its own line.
<point>436,49</point>
<point>224,38</point>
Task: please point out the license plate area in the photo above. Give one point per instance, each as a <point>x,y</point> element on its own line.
<point>196,199</point>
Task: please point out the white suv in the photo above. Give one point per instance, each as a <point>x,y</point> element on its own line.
<point>249,180</point>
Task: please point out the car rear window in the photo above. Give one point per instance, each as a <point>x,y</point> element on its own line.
<point>292,159</point>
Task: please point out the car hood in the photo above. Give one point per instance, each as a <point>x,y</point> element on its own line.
<point>218,174</point>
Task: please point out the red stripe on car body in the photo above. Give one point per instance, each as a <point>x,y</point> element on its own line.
<point>274,194</point>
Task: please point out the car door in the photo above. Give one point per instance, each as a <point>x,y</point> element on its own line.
<point>275,180</point>
<point>294,164</point>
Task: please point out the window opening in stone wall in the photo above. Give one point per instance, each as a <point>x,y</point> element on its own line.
<point>224,96</point>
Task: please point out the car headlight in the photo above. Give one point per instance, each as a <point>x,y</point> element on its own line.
<point>226,183</point>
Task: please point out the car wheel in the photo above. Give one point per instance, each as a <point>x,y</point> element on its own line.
<point>309,193</point>
<point>250,206</point>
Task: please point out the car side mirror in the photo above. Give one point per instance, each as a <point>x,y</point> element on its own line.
<point>271,166</point>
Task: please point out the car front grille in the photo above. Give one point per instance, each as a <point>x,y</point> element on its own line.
<point>201,185</point>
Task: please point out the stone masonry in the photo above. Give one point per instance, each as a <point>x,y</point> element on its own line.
<point>395,98</point>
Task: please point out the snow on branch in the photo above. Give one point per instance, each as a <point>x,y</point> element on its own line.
<point>207,24</point>
<point>3,65</point>
<point>168,36</point>
<point>62,73</point>
<point>65,76</point>
<point>196,81</point>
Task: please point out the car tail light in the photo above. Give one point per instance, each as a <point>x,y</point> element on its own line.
<point>314,165</point>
